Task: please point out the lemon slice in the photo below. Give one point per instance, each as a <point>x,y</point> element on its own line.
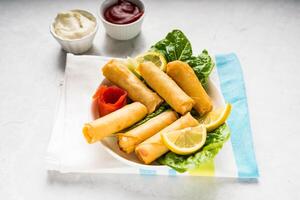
<point>185,141</point>
<point>215,118</point>
<point>132,65</point>
<point>154,57</point>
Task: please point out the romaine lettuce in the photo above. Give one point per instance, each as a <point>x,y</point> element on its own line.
<point>202,66</point>
<point>214,142</point>
<point>176,46</point>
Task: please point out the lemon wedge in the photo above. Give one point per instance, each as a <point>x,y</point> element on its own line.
<point>185,141</point>
<point>156,58</point>
<point>215,118</point>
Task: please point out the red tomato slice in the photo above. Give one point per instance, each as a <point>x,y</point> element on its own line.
<point>110,99</point>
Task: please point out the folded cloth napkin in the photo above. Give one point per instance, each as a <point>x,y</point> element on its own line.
<point>69,152</point>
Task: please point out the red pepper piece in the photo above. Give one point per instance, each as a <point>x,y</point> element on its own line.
<point>110,99</point>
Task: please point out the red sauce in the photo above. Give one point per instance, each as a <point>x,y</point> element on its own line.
<point>123,12</point>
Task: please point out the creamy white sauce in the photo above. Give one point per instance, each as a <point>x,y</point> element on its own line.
<point>74,24</point>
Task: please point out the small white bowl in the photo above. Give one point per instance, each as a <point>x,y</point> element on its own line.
<point>76,46</point>
<point>121,31</point>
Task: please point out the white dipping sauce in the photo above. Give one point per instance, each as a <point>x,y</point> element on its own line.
<point>74,24</point>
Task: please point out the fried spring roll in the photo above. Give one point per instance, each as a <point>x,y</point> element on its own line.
<point>114,122</point>
<point>153,147</point>
<point>187,80</point>
<point>120,75</point>
<point>129,140</point>
<point>166,88</point>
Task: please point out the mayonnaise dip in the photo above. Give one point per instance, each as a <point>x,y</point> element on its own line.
<point>74,24</point>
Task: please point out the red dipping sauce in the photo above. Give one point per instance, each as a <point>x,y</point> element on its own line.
<point>123,12</point>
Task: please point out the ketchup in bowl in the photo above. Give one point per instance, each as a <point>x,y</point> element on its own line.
<point>123,12</point>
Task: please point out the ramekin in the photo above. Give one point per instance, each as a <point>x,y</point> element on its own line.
<point>76,46</point>
<point>121,31</point>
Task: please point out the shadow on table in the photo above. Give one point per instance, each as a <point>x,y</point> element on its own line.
<point>110,47</point>
<point>61,60</point>
<point>107,46</point>
<point>161,187</point>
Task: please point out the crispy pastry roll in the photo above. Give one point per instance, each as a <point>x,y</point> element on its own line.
<point>187,80</point>
<point>129,140</point>
<point>120,75</point>
<point>166,88</point>
<point>114,122</point>
<point>153,147</point>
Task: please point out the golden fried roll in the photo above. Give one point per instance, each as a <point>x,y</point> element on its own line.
<point>120,75</point>
<point>166,88</point>
<point>187,80</point>
<point>114,122</point>
<point>129,140</point>
<point>153,147</point>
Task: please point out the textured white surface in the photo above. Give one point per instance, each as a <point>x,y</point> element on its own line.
<point>265,36</point>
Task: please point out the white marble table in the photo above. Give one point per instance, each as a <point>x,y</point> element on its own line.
<point>265,36</point>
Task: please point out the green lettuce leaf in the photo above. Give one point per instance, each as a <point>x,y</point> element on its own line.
<point>176,46</point>
<point>214,142</point>
<point>202,66</point>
